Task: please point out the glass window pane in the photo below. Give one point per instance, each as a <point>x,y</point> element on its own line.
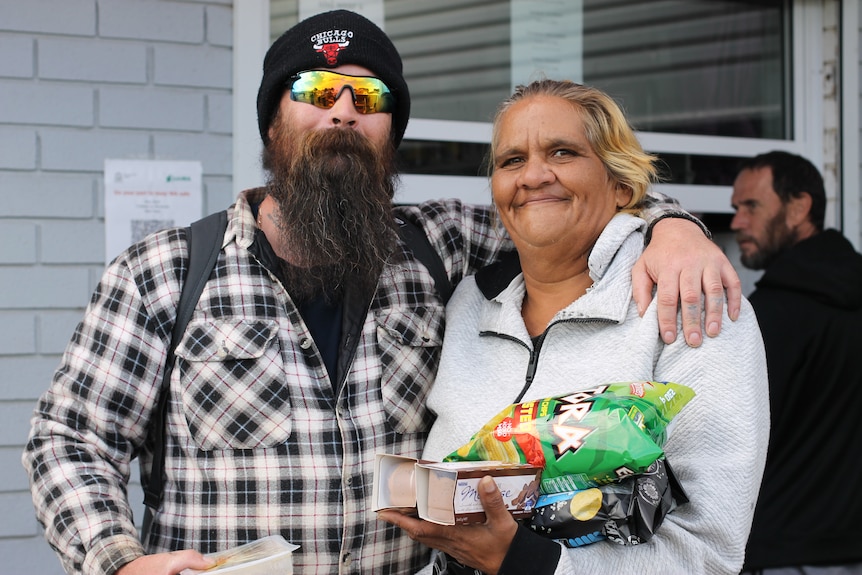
<point>699,170</point>
<point>282,15</point>
<point>706,67</point>
<point>443,158</point>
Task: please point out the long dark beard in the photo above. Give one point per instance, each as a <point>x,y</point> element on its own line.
<point>333,190</point>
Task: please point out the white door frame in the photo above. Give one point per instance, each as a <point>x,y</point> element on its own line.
<point>851,202</point>
<point>250,43</point>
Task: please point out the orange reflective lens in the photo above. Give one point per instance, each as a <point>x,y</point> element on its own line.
<point>322,88</point>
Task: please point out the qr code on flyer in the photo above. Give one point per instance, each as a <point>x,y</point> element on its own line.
<point>143,228</point>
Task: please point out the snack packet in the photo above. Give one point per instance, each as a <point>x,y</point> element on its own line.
<point>627,512</point>
<point>584,439</point>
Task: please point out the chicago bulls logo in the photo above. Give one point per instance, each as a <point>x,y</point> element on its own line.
<point>330,51</point>
<point>330,43</point>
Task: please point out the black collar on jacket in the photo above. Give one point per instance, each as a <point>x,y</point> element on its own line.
<point>494,278</point>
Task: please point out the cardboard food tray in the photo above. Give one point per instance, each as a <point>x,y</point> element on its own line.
<point>268,555</point>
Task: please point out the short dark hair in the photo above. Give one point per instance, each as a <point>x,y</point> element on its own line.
<point>792,176</point>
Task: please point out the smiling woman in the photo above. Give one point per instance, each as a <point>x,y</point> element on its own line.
<point>554,184</point>
<point>560,318</point>
<point>551,190</point>
<point>541,162</point>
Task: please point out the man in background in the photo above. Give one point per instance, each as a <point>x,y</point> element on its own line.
<point>809,306</point>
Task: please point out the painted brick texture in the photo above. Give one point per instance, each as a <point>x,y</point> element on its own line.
<point>82,81</point>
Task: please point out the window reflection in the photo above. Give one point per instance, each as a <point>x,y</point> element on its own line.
<point>705,67</point>
<point>708,67</point>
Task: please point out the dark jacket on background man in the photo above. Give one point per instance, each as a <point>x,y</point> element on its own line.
<point>809,306</point>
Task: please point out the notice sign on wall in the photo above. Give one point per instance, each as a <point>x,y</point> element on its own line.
<point>144,196</point>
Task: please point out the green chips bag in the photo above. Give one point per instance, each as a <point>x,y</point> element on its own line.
<point>584,439</point>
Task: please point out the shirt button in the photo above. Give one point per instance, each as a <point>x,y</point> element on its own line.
<point>305,343</point>
<point>349,481</point>
<point>346,560</point>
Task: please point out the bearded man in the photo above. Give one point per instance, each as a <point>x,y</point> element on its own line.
<point>313,345</point>
<point>809,306</point>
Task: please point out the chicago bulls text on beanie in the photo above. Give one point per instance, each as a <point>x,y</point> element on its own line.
<point>325,41</point>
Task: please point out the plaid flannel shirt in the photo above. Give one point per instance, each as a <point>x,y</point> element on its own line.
<point>258,441</point>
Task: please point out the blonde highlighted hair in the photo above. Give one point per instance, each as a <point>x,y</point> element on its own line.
<point>607,129</point>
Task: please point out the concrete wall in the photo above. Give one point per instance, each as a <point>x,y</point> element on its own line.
<point>81,81</point>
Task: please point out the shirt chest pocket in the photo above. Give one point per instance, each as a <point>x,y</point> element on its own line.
<point>409,343</point>
<point>231,381</point>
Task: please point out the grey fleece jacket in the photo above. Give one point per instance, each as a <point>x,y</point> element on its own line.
<point>718,443</point>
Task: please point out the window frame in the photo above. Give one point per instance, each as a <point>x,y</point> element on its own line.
<point>251,34</point>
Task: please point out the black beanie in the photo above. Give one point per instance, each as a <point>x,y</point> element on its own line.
<point>328,40</point>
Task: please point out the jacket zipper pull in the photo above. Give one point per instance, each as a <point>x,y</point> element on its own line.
<point>531,372</point>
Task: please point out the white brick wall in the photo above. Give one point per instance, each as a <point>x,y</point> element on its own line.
<point>82,80</point>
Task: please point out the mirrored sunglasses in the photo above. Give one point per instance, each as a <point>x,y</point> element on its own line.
<point>322,88</point>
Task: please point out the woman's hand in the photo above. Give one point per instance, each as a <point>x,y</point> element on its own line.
<point>166,563</point>
<point>482,546</point>
<point>685,264</point>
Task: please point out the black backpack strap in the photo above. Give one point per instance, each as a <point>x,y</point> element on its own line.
<point>417,241</point>
<point>204,238</point>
